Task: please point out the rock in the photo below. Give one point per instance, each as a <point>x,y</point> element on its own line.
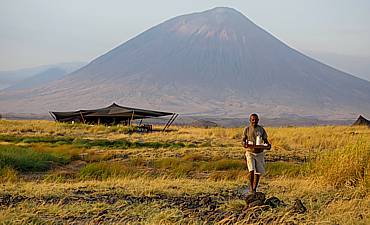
<point>112,200</point>
<point>64,201</point>
<point>212,207</point>
<point>298,206</point>
<point>103,212</point>
<point>255,197</point>
<point>274,202</point>
<point>256,203</point>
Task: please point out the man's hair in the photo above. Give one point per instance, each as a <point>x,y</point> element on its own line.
<point>253,114</point>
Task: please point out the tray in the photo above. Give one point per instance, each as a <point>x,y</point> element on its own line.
<point>261,146</point>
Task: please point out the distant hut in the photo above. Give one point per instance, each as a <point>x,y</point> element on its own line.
<point>361,121</point>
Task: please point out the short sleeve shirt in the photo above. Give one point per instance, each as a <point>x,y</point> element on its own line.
<point>250,133</point>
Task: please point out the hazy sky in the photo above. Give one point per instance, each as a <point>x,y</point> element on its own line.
<point>39,32</point>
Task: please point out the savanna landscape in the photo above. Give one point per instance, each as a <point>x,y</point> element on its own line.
<point>60,173</point>
<point>96,68</point>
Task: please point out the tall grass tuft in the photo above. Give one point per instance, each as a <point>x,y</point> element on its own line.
<point>8,174</point>
<point>346,166</point>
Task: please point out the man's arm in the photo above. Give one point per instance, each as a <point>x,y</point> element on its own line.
<point>245,138</point>
<point>246,162</point>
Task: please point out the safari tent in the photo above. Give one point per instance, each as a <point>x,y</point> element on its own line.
<point>361,121</point>
<point>113,114</point>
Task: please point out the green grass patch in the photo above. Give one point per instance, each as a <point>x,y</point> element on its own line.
<point>104,170</point>
<point>289,169</point>
<point>124,144</point>
<point>88,143</point>
<point>28,160</point>
<point>222,165</point>
<point>181,167</point>
<point>177,167</point>
<point>227,175</point>
<point>47,139</point>
<point>58,140</point>
<point>173,167</point>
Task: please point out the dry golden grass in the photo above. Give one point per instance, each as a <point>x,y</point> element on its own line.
<point>326,167</point>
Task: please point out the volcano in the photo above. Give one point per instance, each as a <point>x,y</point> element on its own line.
<point>215,62</point>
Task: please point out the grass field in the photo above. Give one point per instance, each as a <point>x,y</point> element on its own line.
<point>75,173</point>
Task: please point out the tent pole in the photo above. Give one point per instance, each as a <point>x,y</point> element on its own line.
<point>168,122</point>
<point>164,128</point>
<point>52,115</point>
<point>172,121</point>
<point>140,122</point>
<point>132,117</point>
<point>83,119</point>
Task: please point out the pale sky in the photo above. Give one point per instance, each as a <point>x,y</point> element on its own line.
<point>40,32</point>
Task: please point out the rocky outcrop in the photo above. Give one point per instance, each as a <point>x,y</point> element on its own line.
<point>258,199</point>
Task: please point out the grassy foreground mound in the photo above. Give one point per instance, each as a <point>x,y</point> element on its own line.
<point>76,173</point>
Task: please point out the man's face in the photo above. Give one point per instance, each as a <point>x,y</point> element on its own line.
<point>253,120</point>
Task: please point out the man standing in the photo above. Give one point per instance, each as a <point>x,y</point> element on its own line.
<point>254,155</point>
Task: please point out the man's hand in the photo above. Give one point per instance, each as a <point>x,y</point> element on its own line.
<point>245,144</point>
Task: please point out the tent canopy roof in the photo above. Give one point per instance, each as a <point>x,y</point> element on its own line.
<point>112,111</point>
<point>362,121</point>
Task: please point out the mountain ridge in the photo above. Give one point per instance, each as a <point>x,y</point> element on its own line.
<point>215,62</point>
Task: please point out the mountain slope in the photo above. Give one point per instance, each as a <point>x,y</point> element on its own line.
<point>39,79</point>
<point>215,62</point>
<point>16,77</point>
